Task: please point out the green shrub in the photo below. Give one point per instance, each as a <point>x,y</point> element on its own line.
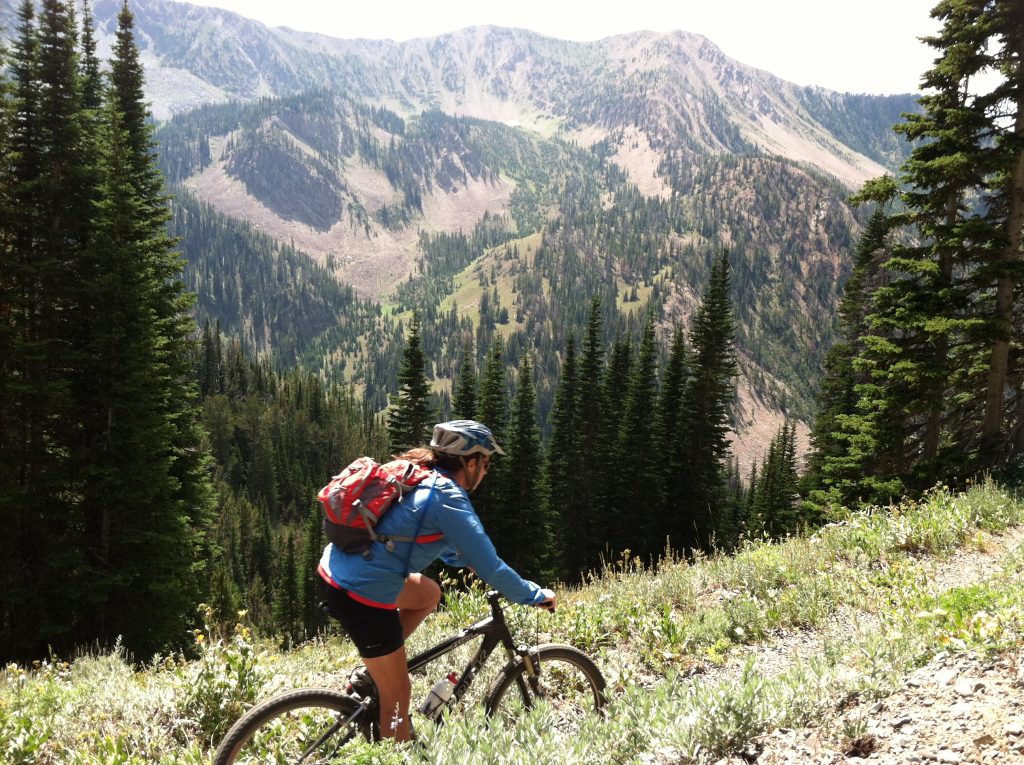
<point>224,682</point>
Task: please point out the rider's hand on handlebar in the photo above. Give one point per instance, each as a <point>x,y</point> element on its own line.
<point>549,602</point>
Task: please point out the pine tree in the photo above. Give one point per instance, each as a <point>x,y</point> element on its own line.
<point>669,433</point>
<point>570,519</point>
<point>528,540</point>
<point>46,225</point>
<point>287,594</point>
<point>490,499</point>
<point>774,504</point>
<point>936,349</point>
<point>835,467</point>
<point>10,503</point>
<point>464,400</point>
<point>312,548</point>
<point>606,522</point>
<point>1004,107</point>
<point>588,472</point>
<point>148,499</point>
<point>638,465</point>
<point>411,417</point>
<point>709,394</point>
<point>89,71</point>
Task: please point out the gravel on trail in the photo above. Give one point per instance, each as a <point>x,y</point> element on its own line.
<point>958,708</point>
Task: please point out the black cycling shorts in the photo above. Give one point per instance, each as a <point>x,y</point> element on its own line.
<point>375,631</point>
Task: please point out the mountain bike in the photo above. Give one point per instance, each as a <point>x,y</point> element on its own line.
<point>313,725</point>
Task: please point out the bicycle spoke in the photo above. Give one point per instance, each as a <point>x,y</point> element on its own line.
<point>302,728</point>
<point>568,688</point>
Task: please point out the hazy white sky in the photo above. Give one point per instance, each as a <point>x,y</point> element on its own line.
<point>866,46</point>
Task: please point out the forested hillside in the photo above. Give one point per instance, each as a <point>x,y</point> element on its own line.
<point>597,293</point>
<point>635,160</point>
<point>574,226</point>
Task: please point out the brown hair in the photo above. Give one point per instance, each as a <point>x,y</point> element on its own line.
<point>427,457</point>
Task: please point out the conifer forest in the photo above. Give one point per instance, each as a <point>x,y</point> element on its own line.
<point>176,386</point>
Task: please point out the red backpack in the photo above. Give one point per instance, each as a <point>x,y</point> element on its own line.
<point>359,495</point>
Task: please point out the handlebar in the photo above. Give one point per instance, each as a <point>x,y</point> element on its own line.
<point>494,597</point>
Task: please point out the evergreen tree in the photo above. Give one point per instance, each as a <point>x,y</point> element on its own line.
<point>528,540</point>
<point>47,217</point>
<point>570,519</point>
<point>669,433</point>
<point>104,436</point>
<point>464,400</point>
<point>490,499</point>
<point>587,469</point>
<point>936,348</point>
<point>709,394</point>
<point>287,594</point>
<point>638,490</point>
<point>411,418</point>
<point>148,497</point>
<point>835,466</point>
<point>11,361</point>
<point>92,81</point>
<point>1001,268</point>
<point>774,504</point>
<point>312,549</point>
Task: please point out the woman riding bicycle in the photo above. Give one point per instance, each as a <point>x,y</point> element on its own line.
<point>380,598</point>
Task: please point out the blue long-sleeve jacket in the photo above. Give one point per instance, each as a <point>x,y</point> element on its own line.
<point>438,510</point>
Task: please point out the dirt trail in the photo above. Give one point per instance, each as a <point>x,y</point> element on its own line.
<point>959,708</point>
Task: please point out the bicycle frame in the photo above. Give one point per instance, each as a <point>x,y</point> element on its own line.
<point>494,631</point>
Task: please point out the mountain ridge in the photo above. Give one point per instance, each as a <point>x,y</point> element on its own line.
<point>488,72</point>
<point>638,155</point>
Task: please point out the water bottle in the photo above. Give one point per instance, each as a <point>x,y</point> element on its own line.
<point>439,695</point>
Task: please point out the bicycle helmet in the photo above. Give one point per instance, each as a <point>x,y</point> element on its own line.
<point>464,438</point>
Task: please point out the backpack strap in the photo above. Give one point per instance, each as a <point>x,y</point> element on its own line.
<point>416,538</point>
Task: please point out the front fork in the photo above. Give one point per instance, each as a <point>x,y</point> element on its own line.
<point>529,680</point>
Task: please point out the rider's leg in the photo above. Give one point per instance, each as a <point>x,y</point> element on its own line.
<point>418,598</point>
<point>394,689</point>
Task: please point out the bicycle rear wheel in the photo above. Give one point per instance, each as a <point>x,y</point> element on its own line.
<point>307,726</point>
<point>567,681</point>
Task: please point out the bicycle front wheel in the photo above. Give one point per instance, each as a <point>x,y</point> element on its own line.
<point>567,681</point>
<point>307,726</point>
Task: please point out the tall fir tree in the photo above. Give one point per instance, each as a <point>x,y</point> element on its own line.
<point>527,543</point>
<point>48,194</point>
<point>411,417</point>
<point>490,499</point>
<point>464,398</point>
<point>939,332</point>
<point>669,431</point>
<point>148,496</point>
<point>106,435</point>
<point>313,619</point>
<point>589,474</point>
<point>1001,269</point>
<point>637,491</point>
<point>570,518</point>
<point>287,592</point>
<point>835,466</point>
<point>774,509</point>
<point>707,402</point>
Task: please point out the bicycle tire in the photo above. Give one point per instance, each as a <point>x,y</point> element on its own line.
<point>283,726</point>
<point>568,682</point>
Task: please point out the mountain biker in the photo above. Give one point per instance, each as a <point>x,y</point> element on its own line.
<point>380,598</point>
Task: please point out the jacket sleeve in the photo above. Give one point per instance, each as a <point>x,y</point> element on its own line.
<point>463,529</point>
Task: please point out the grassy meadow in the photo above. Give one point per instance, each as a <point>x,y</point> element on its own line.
<point>683,645</point>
